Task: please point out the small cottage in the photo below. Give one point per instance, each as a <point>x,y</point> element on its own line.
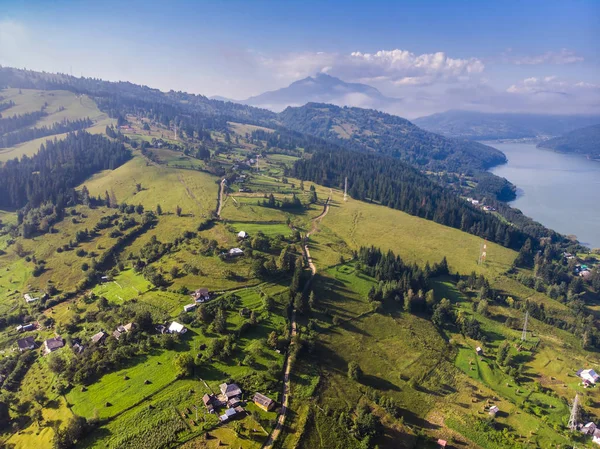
<point>242,235</point>
<point>26,343</point>
<point>177,328</point>
<point>201,295</point>
<point>53,344</point>
<point>189,307</point>
<point>263,402</point>
<point>99,337</point>
<point>478,350</point>
<point>589,375</point>
<point>493,410</point>
<point>230,390</point>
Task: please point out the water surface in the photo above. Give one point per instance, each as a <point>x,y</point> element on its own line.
<point>561,191</point>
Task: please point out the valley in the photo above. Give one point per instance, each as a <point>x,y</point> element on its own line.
<point>210,247</point>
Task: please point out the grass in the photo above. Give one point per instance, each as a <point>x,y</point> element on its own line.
<point>415,239</point>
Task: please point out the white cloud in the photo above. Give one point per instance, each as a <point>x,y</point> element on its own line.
<point>397,66</point>
<point>551,84</point>
<point>561,57</point>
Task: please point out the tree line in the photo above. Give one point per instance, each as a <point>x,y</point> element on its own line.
<point>15,122</point>
<point>26,134</point>
<point>395,184</point>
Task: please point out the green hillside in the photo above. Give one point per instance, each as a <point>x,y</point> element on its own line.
<point>585,141</point>
<point>361,318</point>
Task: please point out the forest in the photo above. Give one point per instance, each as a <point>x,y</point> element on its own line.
<point>58,167</point>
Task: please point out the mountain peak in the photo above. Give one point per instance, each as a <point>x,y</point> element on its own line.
<point>322,88</point>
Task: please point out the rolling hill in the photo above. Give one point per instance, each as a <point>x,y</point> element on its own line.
<point>378,132</point>
<point>584,141</point>
<point>483,126</point>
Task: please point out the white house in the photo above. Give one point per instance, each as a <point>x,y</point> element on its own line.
<point>242,235</point>
<point>589,375</point>
<point>494,409</point>
<point>235,252</point>
<point>29,299</point>
<point>189,307</point>
<point>176,328</point>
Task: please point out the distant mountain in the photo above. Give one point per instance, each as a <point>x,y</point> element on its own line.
<point>584,141</point>
<point>378,132</point>
<point>220,98</point>
<point>322,88</point>
<point>486,126</point>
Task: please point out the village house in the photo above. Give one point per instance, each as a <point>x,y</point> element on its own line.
<point>201,295</point>
<point>26,343</point>
<point>596,436</point>
<point>189,307</point>
<point>209,402</point>
<point>494,410</point>
<point>242,235</point>
<point>99,337</point>
<point>230,390</point>
<point>263,402</point>
<point>123,329</point>
<point>234,252</point>
<point>588,375</point>
<point>588,429</point>
<point>478,350</point>
<point>442,443</point>
<point>26,327</point>
<point>177,328</point>
<point>29,298</point>
<point>230,413</point>
<point>53,344</point>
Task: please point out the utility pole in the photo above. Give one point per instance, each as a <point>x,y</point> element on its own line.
<point>574,413</point>
<point>524,334</point>
<point>346,189</point>
<point>175,131</point>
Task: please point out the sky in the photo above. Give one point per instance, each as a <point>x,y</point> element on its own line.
<point>505,56</point>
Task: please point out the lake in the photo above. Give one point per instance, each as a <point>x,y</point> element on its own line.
<point>561,191</point>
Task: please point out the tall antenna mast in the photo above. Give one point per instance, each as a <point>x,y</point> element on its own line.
<point>482,253</point>
<point>346,189</point>
<point>574,413</point>
<point>524,334</point>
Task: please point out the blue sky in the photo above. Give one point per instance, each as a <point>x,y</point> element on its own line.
<point>526,56</point>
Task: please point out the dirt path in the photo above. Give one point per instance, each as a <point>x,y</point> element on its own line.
<point>288,367</point>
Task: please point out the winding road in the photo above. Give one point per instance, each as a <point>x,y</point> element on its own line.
<point>288,366</point>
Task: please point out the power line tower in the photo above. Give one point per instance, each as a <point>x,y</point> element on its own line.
<point>574,413</point>
<point>482,253</point>
<point>524,334</point>
<point>346,189</point>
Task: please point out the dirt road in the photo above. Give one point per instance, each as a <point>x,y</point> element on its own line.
<point>288,368</point>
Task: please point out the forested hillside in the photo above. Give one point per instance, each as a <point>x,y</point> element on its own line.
<point>378,132</point>
<point>56,169</point>
<point>392,183</point>
<point>486,126</point>
<point>584,141</point>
